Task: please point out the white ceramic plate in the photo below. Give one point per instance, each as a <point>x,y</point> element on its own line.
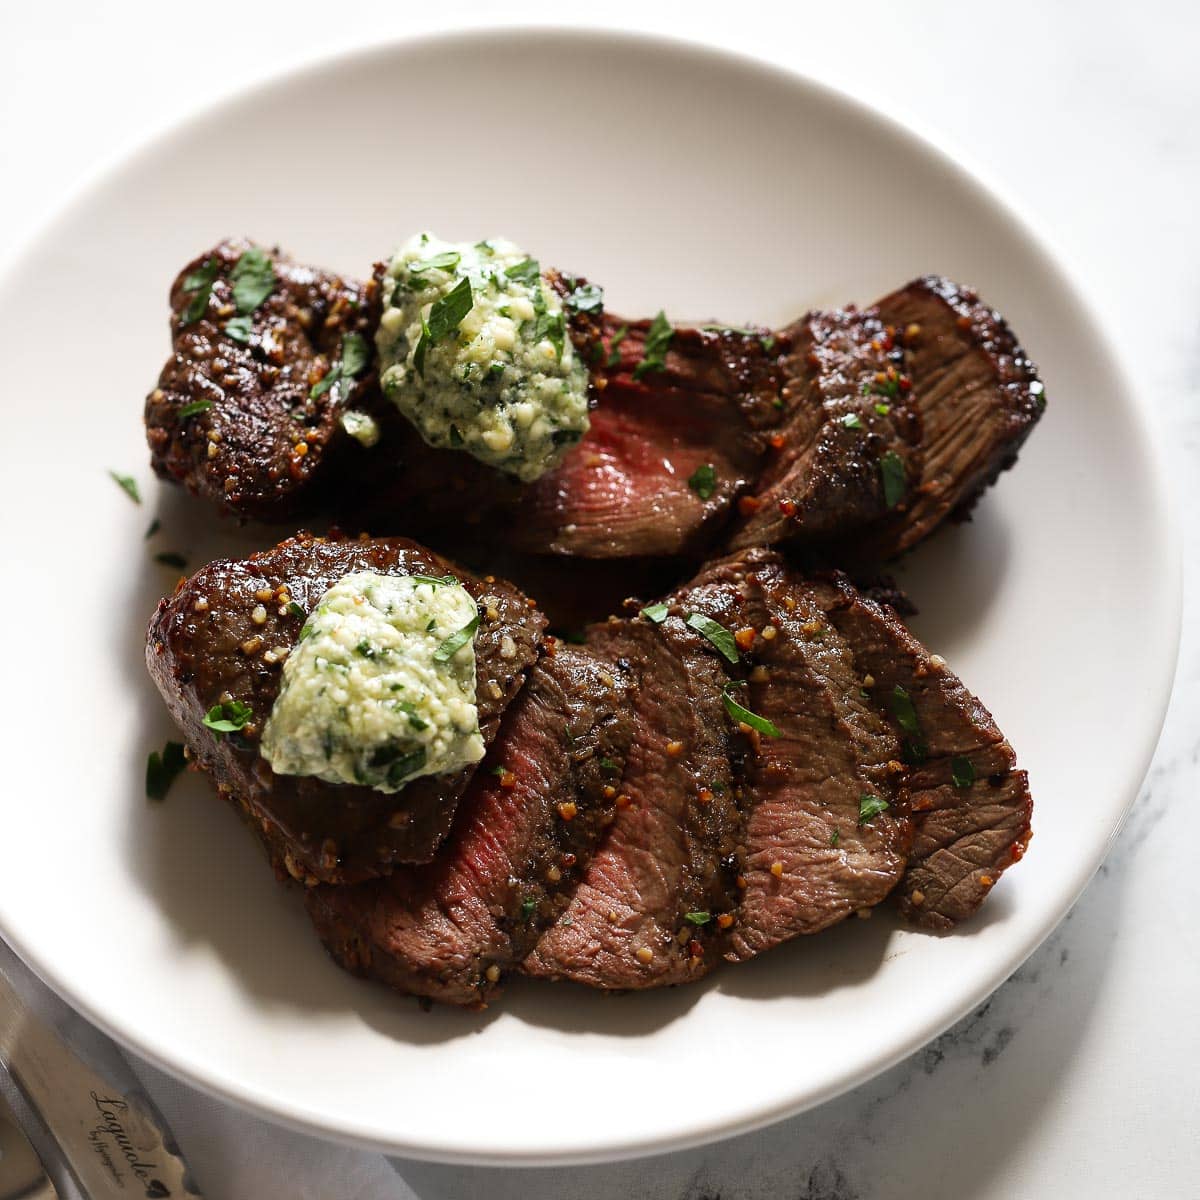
<point>680,178</point>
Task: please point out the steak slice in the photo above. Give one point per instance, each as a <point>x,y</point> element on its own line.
<point>204,647</point>
<point>672,847</point>
<point>810,857</point>
<point>978,396</point>
<point>264,446</point>
<point>848,446</point>
<point>523,837</point>
<point>971,807</point>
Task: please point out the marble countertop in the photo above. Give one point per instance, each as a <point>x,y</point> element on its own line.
<point>1077,1078</point>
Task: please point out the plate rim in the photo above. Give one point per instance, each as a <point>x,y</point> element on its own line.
<point>951,159</point>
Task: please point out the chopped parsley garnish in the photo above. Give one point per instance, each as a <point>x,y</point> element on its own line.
<point>608,764</point>
<point>366,650</point>
<point>527,271</point>
<point>199,283</point>
<point>527,907</point>
<point>658,338</point>
<point>153,528</point>
<point>253,279</point>
<point>238,329</point>
<point>163,769</point>
<point>406,764</point>
<point>904,710</point>
<point>294,609</point>
<point>446,261</point>
<point>835,837</point>
<point>170,559</point>
<point>128,485</point>
<point>870,807</point>
<point>744,715</point>
<point>231,717</point>
<point>585,298</point>
<point>445,316</point>
<point>895,482</point>
<point>499,772</point>
<point>703,481</point>
<point>962,771</point>
<point>698,918</point>
<point>196,406</point>
<point>614,346</point>
<point>716,633</point>
<point>355,356</point>
<point>1037,389</point>
<point>883,409</point>
<point>409,709</point>
<point>852,421</point>
<point>456,641</point>
<point>655,612</point>
<point>435,581</point>
<point>548,325</point>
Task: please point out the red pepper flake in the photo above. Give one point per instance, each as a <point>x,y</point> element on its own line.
<point>778,441</point>
<point>569,859</point>
<point>567,810</point>
<point>787,507</point>
<point>744,638</point>
<point>725,920</point>
<point>705,795</point>
<point>508,780</point>
<point>749,505</point>
<point>695,949</point>
<point>963,322</point>
<point>905,383</point>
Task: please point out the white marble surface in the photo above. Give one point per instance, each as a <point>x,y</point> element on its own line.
<point>1078,1077</point>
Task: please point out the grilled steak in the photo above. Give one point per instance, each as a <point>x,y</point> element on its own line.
<point>668,452</point>
<point>233,417</point>
<point>970,805</point>
<point>523,837</point>
<point>672,847</point>
<point>849,445</point>
<point>205,647</point>
<point>810,856</point>
<point>977,394</point>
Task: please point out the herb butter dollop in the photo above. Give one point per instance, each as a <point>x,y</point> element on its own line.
<point>381,686</point>
<point>474,350</point>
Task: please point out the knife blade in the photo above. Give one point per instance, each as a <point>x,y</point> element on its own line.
<point>113,1138</point>
<point>22,1175</point>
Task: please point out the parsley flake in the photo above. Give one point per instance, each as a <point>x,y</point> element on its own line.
<point>163,769</point>
<point>658,338</point>
<point>895,481</point>
<point>870,807</point>
<point>231,717</point>
<point>195,407</point>
<point>656,613</point>
<point>128,485</point>
<point>445,316</point>
<point>703,481</point>
<point>962,771</point>
<point>744,715</point>
<point>614,346</point>
<point>253,279</point>
<point>527,271</point>
<point>716,633</point>
<point>852,421</point>
<point>199,283</point>
<point>456,641</point>
<point>698,918</point>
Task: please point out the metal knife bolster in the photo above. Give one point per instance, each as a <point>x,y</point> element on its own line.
<point>114,1140</point>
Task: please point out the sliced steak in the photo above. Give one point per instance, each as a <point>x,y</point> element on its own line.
<point>971,807</point>
<point>523,837</point>
<point>849,446</point>
<point>810,857</point>
<point>672,847</point>
<point>233,417</point>
<point>977,393</point>
<point>205,647</point>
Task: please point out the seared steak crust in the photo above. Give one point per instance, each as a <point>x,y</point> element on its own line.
<point>846,406</point>
<point>671,848</point>
<point>970,806</point>
<point>204,647</point>
<point>523,838</point>
<point>264,447</point>
<point>978,396</point>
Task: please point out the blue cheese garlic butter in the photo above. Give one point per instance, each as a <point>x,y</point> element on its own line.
<point>475,351</point>
<point>380,689</point>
